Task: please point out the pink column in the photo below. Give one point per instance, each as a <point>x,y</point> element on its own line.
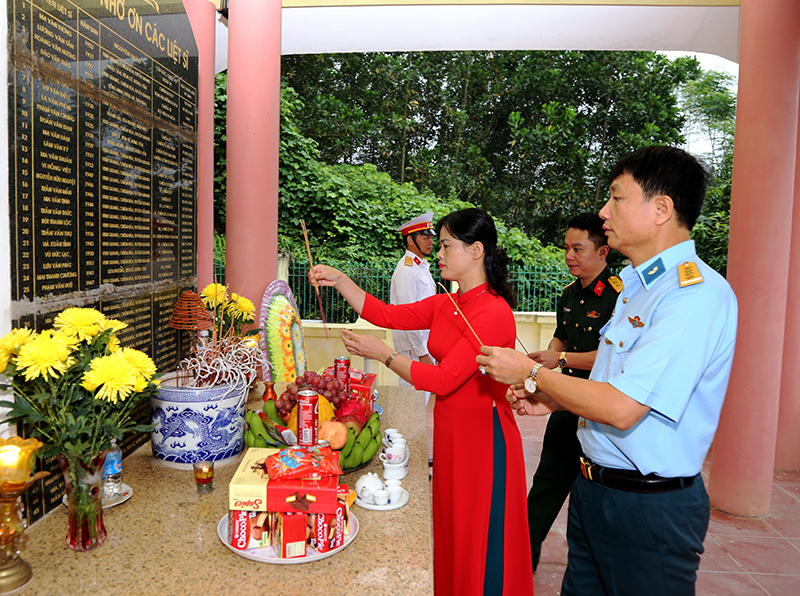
<point>254,82</point>
<point>787,453</point>
<point>758,256</point>
<point>202,17</point>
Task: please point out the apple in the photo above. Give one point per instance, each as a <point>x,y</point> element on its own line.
<point>351,421</point>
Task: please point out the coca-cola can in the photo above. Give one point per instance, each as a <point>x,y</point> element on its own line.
<point>307,417</point>
<point>341,372</point>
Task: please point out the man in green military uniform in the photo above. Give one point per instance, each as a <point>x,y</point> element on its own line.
<point>583,308</point>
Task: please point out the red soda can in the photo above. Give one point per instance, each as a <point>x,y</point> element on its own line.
<point>307,417</point>
<point>341,372</point>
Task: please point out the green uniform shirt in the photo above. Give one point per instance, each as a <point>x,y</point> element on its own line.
<point>582,312</point>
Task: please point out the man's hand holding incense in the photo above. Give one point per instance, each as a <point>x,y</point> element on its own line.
<point>505,365</point>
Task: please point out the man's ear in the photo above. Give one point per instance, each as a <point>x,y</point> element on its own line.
<point>665,209</point>
<point>603,251</point>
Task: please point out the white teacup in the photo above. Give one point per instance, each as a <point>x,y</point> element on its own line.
<point>395,471</point>
<point>395,494</point>
<point>394,455</point>
<point>392,438</point>
<point>389,432</point>
<point>391,483</point>
<point>380,497</point>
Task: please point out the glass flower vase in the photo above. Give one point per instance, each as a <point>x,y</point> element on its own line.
<point>83,476</point>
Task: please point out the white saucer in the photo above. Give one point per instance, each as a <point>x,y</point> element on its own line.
<point>388,507</point>
<point>267,554</point>
<point>127,493</point>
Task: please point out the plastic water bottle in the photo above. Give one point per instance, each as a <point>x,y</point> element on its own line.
<point>112,472</point>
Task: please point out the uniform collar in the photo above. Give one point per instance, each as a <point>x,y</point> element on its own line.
<point>419,261</point>
<point>604,275</point>
<point>651,271</point>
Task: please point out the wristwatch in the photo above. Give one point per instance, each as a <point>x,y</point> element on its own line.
<point>530,382</point>
<point>562,361</point>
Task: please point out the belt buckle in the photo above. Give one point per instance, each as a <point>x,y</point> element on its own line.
<point>586,468</point>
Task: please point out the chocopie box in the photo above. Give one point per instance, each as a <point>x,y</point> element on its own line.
<point>251,489</point>
<point>329,529</point>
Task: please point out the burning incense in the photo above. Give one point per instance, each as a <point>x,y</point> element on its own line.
<point>461,313</point>
<point>314,279</point>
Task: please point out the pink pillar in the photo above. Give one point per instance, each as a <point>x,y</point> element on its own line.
<point>202,17</point>
<point>787,453</point>
<point>254,98</point>
<point>758,256</point>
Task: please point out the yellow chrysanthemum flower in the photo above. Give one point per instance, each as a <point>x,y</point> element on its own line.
<point>140,361</point>
<point>113,324</point>
<point>113,344</point>
<point>10,344</point>
<point>47,355</point>
<point>82,322</point>
<point>214,295</point>
<point>112,377</point>
<point>241,308</point>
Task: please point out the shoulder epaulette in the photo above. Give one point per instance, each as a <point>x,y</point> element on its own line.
<point>689,274</point>
<point>409,262</point>
<point>616,283</point>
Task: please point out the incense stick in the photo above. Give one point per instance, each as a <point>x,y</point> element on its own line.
<point>462,314</point>
<point>314,279</point>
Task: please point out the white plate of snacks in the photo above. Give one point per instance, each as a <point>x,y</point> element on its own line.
<point>267,554</point>
<point>127,493</point>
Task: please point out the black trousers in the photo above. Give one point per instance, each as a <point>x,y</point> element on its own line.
<point>559,465</point>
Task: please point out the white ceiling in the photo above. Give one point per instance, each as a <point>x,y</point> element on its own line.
<point>334,29</point>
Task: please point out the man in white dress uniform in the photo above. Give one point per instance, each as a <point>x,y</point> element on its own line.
<point>411,282</point>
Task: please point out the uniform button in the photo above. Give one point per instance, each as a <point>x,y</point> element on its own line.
<point>570,370</point>
<point>581,301</point>
<point>574,348</point>
<point>621,344</point>
<point>608,342</point>
<point>589,329</point>
<point>564,323</point>
<point>624,301</point>
<point>583,422</point>
<point>576,324</point>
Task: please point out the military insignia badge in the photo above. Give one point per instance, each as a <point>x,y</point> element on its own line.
<point>616,283</point>
<point>636,322</point>
<point>409,262</point>
<point>652,274</point>
<point>593,314</point>
<point>417,261</point>
<point>598,289</point>
<point>689,274</point>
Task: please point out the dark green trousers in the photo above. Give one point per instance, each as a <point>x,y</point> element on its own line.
<point>559,465</point>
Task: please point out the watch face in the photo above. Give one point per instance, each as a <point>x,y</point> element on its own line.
<point>562,363</point>
<point>530,385</point>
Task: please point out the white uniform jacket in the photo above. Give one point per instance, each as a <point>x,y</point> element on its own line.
<point>411,282</point>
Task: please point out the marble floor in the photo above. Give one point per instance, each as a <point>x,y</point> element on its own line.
<point>743,556</point>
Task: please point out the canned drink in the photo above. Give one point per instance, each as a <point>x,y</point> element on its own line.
<point>341,372</point>
<point>307,417</point>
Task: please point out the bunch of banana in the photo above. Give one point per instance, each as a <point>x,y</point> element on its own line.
<point>362,447</point>
<point>259,435</point>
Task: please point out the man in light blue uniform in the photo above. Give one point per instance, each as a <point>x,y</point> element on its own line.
<point>639,512</point>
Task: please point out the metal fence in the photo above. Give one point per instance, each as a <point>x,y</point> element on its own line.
<point>538,288</point>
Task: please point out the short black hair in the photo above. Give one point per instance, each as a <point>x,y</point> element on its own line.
<point>592,224</point>
<point>664,170</point>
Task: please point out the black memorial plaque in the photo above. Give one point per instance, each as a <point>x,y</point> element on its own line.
<point>103,117</point>
<point>103,144</point>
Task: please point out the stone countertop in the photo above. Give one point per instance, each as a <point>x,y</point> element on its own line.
<point>164,541</point>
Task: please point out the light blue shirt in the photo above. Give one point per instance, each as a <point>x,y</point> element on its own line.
<point>671,349</point>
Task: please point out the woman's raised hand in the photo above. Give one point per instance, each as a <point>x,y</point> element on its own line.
<point>324,275</point>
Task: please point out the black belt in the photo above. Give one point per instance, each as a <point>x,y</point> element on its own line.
<point>631,480</point>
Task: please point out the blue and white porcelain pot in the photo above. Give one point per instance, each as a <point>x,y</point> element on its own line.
<point>197,423</point>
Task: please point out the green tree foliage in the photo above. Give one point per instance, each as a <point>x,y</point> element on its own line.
<point>526,134</point>
<point>710,106</point>
<point>351,212</point>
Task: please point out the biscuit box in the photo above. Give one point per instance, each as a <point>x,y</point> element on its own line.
<point>363,387</point>
<point>251,489</point>
<point>289,534</point>
<point>249,529</point>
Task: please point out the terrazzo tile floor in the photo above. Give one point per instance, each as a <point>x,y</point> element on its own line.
<point>743,556</point>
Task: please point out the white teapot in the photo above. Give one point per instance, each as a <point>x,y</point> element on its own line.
<point>367,485</point>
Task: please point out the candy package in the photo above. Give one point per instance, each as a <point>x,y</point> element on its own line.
<point>303,462</point>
